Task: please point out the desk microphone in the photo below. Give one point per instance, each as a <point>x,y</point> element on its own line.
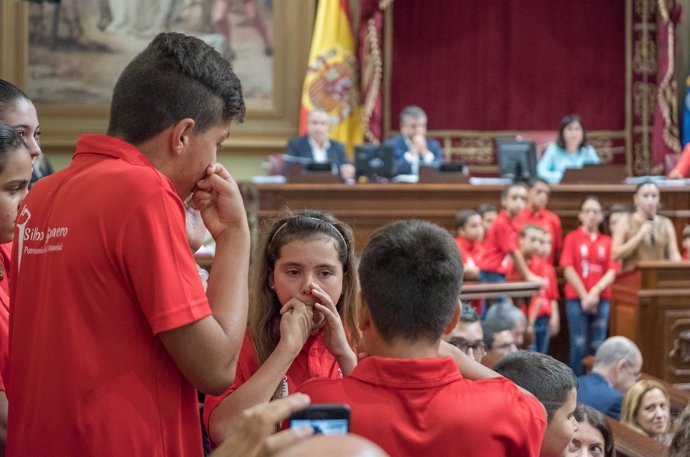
<point>651,234</point>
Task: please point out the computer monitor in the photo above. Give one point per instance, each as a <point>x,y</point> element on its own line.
<point>375,161</point>
<point>517,159</point>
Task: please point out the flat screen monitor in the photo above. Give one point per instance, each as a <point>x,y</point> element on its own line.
<point>375,161</point>
<point>517,159</point>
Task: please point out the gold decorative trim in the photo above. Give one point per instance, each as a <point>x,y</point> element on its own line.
<point>371,78</point>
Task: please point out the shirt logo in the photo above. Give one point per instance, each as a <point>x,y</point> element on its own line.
<point>42,240</point>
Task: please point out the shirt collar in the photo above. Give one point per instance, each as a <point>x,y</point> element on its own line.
<point>588,235</point>
<point>112,147</point>
<point>406,373</point>
<point>314,144</point>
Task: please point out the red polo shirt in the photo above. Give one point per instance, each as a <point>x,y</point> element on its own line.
<point>590,257</point>
<point>502,239</point>
<point>421,407</point>
<point>543,218</point>
<point>542,268</point>
<point>469,250</point>
<point>102,267</point>
<point>313,361</point>
<point>5,256</point>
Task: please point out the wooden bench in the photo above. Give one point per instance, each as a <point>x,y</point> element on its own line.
<point>630,443</point>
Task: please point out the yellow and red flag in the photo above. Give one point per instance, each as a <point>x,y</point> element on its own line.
<point>331,82</point>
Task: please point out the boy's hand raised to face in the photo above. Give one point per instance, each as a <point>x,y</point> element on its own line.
<point>218,199</point>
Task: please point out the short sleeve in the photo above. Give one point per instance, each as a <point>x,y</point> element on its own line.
<point>506,238</point>
<point>247,365</point>
<point>567,259</point>
<point>553,284</point>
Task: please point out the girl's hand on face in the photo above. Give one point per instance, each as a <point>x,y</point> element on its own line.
<point>334,332</point>
<point>295,325</point>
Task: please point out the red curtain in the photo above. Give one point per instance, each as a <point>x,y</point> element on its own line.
<point>510,65</point>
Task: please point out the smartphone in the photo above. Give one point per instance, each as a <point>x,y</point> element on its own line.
<point>325,419</point>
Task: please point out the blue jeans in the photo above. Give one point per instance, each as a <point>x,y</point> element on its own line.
<point>587,331</point>
<point>541,335</point>
<point>490,276</point>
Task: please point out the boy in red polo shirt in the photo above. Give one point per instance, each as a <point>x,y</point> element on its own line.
<point>501,246</point>
<point>589,270</point>
<point>543,312</point>
<point>555,385</point>
<point>543,319</point>
<point>488,214</point>
<point>469,233</point>
<point>535,213</point>
<point>106,355</point>
<point>404,397</point>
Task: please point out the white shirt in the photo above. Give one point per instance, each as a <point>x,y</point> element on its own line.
<point>319,154</point>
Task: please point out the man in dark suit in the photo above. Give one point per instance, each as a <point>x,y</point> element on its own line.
<point>412,147</point>
<point>617,366</point>
<point>317,147</point>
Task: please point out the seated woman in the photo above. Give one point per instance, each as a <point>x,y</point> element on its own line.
<point>646,409</point>
<point>593,437</point>
<point>570,151</point>
<point>643,234</point>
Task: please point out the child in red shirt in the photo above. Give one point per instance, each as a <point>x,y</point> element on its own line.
<point>535,213</point>
<point>502,244</point>
<point>403,396</point>
<point>589,270</point>
<point>301,321</point>
<point>488,214</point>
<point>469,233</point>
<point>15,175</point>
<point>544,306</point>
<point>542,313</point>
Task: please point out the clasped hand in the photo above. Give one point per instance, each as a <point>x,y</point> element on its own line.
<point>218,199</point>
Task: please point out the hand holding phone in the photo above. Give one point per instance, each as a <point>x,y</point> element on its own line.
<point>326,419</point>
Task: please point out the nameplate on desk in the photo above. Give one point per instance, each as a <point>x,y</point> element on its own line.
<point>445,173</point>
<point>296,172</point>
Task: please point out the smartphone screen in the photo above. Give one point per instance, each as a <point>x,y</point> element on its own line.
<point>324,419</point>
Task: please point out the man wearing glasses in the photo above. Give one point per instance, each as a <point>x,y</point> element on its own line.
<point>467,335</point>
<point>499,339</point>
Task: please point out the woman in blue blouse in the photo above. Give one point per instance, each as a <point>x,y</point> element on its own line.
<point>570,151</point>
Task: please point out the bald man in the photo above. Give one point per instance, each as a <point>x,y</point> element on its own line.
<point>617,366</point>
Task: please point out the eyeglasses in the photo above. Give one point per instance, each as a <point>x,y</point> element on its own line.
<point>478,348</point>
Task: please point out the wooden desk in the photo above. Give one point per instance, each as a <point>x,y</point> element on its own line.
<point>369,206</point>
<point>651,306</point>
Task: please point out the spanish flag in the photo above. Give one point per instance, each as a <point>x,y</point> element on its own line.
<point>332,78</point>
